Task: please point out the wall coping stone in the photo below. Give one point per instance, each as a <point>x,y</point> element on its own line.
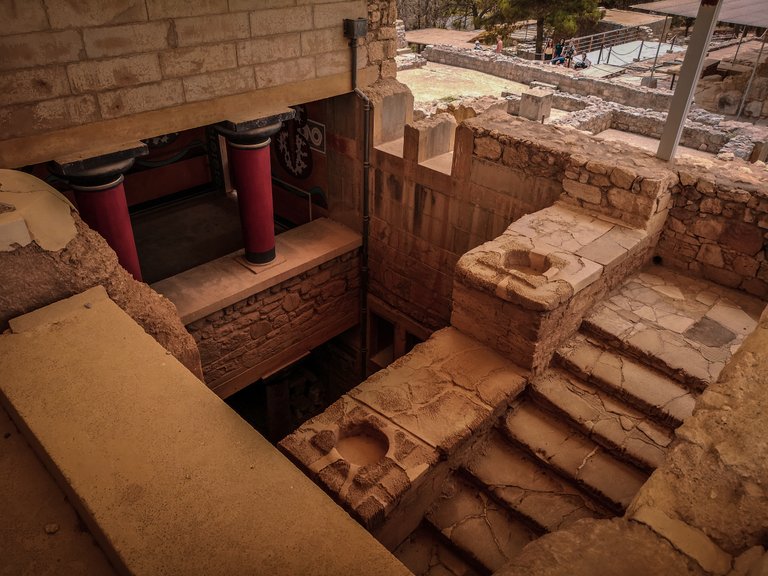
<point>164,473</point>
<point>219,283</point>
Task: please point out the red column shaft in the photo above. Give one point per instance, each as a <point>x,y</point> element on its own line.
<point>105,209</point>
<point>252,178</point>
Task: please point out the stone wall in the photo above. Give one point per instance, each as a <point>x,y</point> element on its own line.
<point>718,224</point>
<point>723,93</point>
<point>260,334</point>
<point>525,72</point>
<point>67,64</point>
<point>702,130</point>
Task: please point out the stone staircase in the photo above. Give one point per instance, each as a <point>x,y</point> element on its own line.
<point>587,433</point>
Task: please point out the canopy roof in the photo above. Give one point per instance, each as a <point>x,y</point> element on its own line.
<point>746,12</point>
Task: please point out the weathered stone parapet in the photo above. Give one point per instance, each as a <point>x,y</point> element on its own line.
<point>717,225</point>
<point>634,191</point>
<point>261,333</point>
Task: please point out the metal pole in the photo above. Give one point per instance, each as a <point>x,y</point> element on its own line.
<point>690,71</point>
<point>655,58</point>
<point>751,77</point>
<point>610,50</point>
<point>640,52</point>
<point>738,46</point>
<point>671,46</point>
<point>600,55</point>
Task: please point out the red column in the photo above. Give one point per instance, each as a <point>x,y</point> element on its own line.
<point>252,178</point>
<point>104,208</point>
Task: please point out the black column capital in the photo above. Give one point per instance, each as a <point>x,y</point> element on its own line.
<point>255,131</point>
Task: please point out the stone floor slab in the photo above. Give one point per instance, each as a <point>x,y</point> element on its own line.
<point>528,488</point>
<point>445,390</point>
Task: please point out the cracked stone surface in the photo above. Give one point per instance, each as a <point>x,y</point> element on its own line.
<point>530,489</point>
<point>424,554</point>
<point>571,453</point>
<point>689,327</point>
<point>445,390</point>
<point>478,525</point>
<point>715,476</point>
<point>604,418</point>
<point>615,547</point>
<point>628,379</point>
<point>368,489</point>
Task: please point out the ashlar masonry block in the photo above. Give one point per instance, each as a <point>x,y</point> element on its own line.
<point>536,103</point>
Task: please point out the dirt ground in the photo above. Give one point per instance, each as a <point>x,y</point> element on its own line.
<point>438,82</point>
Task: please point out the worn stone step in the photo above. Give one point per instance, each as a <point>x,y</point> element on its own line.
<point>686,327</point>
<point>603,418</point>
<point>477,525</point>
<point>530,489</point>
<point>687,367</point>
<point>637,384</point>
<point>574,455</point>
<point>425,553</point>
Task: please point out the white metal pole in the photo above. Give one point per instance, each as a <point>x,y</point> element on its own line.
<point>706,19</point>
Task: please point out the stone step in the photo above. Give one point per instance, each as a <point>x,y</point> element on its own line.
<point>625,431</point>
<point>425,553</point>
<point>477,525</point>
<point>687,367</point>
<point>637,384</point>
<point>528,488</point>
<point>686,327</point>
<point>573,455</point>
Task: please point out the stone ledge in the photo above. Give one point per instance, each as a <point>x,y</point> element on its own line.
<point>166,476</point>
<point>222,282</point>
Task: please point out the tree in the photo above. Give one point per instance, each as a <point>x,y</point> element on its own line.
<point>563,17</point>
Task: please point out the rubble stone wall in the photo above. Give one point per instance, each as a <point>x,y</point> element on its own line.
<point>72,63</point>
<point>723,93</point>
<point>322,301</point>
<point>610,186</point>
<point>718,226</point>
<point>520,70</point>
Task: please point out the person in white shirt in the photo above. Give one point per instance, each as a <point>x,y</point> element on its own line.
<point>582,61</point>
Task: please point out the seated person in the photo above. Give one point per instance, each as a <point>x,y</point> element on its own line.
<point>582,61</point>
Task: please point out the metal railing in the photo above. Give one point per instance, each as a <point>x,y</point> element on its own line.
<point>606,40</point>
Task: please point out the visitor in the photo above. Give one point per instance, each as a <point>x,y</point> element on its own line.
<point>499,45</point>
<point>477,45</point>
<point>570,50</point>
<point>549,50</point>
<point>582,62</point>
<point>558,48</point>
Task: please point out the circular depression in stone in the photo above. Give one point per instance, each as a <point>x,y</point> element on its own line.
<point>362,444</point>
